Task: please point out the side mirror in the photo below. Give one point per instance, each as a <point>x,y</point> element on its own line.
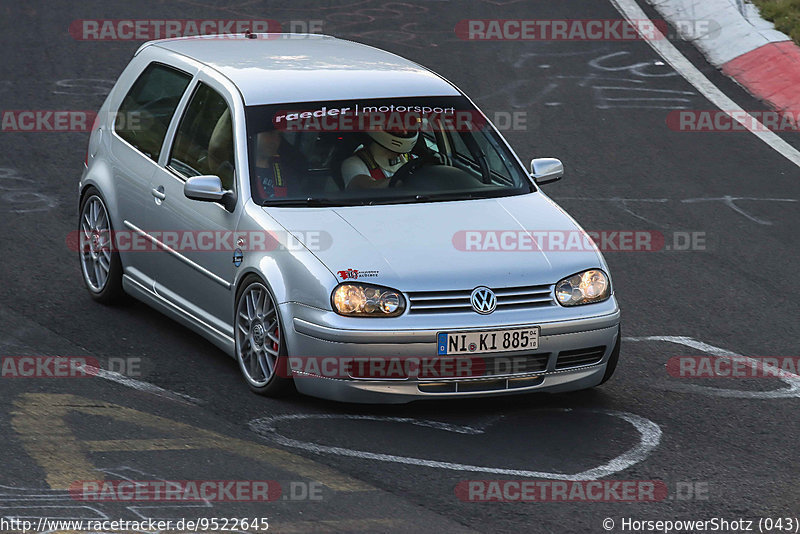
<point>546,170</point>
<point>208,188</point>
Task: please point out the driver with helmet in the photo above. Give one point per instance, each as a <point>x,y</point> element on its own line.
<point>372,166</point>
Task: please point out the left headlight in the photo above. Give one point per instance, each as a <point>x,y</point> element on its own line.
<point>583,288</point>
<point>365,300</point>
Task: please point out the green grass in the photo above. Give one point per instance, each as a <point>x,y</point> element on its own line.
<point>785,14</point>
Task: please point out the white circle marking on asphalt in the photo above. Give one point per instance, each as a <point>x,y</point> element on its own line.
<point>793,381</point>
<point>649,438</point>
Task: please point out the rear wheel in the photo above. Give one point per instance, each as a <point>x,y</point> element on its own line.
<point>260,344</point>
<point>100,263</point>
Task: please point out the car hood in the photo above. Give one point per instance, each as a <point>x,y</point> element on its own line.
<point>422,247</point>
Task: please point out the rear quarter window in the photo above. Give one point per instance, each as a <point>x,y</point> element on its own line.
<point>145,113</point>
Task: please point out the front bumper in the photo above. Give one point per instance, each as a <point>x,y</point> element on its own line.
<point>318,334</point>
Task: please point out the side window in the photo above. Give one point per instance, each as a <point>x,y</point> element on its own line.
<point>145,112</point>
<point>204,140</point>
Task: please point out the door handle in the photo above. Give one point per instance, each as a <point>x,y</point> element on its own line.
<point>159,193</point>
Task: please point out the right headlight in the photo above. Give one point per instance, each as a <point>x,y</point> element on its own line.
<point>583,288</point>
<point>366,300</point>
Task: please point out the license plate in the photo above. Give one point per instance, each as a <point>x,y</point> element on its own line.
<point>488,341</point>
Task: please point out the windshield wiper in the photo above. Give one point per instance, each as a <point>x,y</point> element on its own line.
<point>432,197</point>
<point>407,199</point>
<point>310,202</point>
<point>314,202</point>
<point>466,195</point>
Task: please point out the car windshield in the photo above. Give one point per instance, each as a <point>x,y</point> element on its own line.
<point>377,152</point>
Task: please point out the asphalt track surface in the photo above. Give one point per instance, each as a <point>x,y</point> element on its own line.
<point>599,106</point>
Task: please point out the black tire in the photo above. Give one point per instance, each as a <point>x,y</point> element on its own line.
<point>612,360</point>
<point>279,382</point>
<point>110,292</point>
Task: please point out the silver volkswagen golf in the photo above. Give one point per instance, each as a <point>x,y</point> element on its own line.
<point>341,221</point>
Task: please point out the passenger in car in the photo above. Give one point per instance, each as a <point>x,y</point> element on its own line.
<point>279,168</point>
<point>220,150</point>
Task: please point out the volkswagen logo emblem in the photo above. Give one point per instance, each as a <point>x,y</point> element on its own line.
<point>259,334</point>
<point>483,300</point>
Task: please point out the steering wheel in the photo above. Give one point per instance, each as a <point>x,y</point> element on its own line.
<point>410,167</point>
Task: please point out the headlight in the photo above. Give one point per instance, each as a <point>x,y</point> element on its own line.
<point>583,288</point>
<point>364,300</point>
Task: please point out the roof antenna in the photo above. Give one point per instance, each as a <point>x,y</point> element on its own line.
<point>250,35</point>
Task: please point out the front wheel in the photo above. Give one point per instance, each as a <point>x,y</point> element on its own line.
<point>260,344</point>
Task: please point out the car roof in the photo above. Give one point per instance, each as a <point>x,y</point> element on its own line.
<point>283,68</point>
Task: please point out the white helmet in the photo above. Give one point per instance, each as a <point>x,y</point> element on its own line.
<point>400,141</point>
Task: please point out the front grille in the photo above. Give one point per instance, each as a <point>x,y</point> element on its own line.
<point>477,385</point>
<point>516,365</point>
<point>489,366</point>
<point>439,368</point>
<point>578,357</point>
<point>508,298</point>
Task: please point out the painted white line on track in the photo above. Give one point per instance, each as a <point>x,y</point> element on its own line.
<point>792,380</point>
<point>649,438</point>
<point>688,342</point>
<point>631,11</point>
<point>139,385</point>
